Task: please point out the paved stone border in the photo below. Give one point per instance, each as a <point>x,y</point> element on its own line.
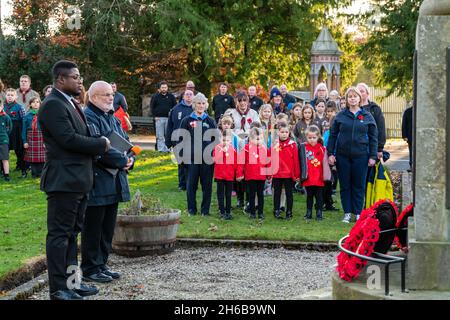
<point>32,268</point>
<point>33,282</point>
<point>268,244</point>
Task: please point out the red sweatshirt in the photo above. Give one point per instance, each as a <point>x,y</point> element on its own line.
<point>285,162</point>
<point>254,162</point>
<point>314,160</point>
<point>225,162</point>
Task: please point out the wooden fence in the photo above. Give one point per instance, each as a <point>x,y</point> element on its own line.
<point>392,107</point>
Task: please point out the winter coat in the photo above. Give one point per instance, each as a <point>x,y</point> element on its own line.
<point>196,127</point>
<point>225,162</point>
<point>176,115</point>
<point>353,135</point>
<point>250,117</point>
<point>285,161</point>
<point>110,180</point>
<point>6,127</point>
<point>377,114</point>
<point>254,162</point>
<point>220,104</point>
<point>162,103</point>
<point>315,160</point>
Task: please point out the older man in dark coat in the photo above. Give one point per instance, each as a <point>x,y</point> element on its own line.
<point>110,187</point>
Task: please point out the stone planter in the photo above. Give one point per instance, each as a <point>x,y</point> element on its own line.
<point>137,236</point>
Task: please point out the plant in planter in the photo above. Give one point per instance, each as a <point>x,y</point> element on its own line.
<point>145,227</point>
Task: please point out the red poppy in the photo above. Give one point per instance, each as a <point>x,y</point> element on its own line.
<point>193,124</point>
<point>361,117</point>
<point>13,113</point>
<point>249,120</point>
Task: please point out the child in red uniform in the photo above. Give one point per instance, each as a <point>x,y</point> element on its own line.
<point>225,166</point>
<point>253,166</point>
<point>285,169</point>
<point>317,173</point>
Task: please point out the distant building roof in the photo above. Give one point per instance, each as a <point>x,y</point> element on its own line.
<point>325,44</point>
<point>302,95</point>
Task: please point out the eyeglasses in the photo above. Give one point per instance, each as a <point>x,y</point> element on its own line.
<point>106,95</point>
<point>75,77</point>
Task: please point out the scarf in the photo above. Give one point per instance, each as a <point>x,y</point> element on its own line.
<point>9,105</point>
<point>24,94</point>
<point>243,118</point>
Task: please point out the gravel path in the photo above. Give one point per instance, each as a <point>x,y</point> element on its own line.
<point>217,273</point>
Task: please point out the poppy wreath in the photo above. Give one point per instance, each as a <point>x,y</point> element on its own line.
<point>362,239</point>
<point>386,213</point>
<point>402,222</point>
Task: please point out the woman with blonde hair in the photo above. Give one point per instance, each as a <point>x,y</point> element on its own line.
<point>352,145</point>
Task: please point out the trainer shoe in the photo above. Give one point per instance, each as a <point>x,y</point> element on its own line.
<point>347,217</point>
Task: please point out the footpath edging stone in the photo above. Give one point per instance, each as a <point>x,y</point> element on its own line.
<point>268,244</point>
<point>31,269</point>
<point>31,282</point>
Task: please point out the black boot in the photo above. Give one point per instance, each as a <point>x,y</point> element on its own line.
<point>261,216</point>
<point>6,177</point>
<point>319,215</point>
<point>308,215</point>
<point>289,215</point>
<point>228,216</point>
<point>24,174</point>
<point>277,214</point>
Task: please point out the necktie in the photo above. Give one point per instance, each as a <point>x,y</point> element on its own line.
<point>77,107</point>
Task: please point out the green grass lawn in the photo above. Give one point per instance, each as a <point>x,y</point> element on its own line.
<point>23,214</point>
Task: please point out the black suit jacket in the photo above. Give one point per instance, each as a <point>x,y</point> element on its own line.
<point>407,124</point>
<point>69,149</point>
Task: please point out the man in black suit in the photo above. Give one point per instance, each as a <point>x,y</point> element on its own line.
<point>67,177</point>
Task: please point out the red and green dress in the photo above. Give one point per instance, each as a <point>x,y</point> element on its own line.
<point>32,134</point>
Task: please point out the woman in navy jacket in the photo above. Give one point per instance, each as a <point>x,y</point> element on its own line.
<point>353,146</point>
<point>197,138</point>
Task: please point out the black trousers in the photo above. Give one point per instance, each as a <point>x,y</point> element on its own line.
<point>410,153</point>
<point>241,191</point>
<point>182,175</point>
<point>204,173</point>
<point>256,187</point>
<point>36,168</point>
<point>224,189</point>
<point>278,184</point>
<point>311,193</point>
<point>16,144</point>
<point>328,194</point>
<point>335,179</point>
<point>96,237</point>
<point>65,212</point>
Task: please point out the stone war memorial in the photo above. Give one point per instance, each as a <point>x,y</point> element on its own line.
<point>428,259</point>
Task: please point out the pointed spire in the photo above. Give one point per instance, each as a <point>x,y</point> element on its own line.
<point>325,44</point>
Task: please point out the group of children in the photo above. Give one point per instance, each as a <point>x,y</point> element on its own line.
<point>283,152</point>
<point>19,131</point>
